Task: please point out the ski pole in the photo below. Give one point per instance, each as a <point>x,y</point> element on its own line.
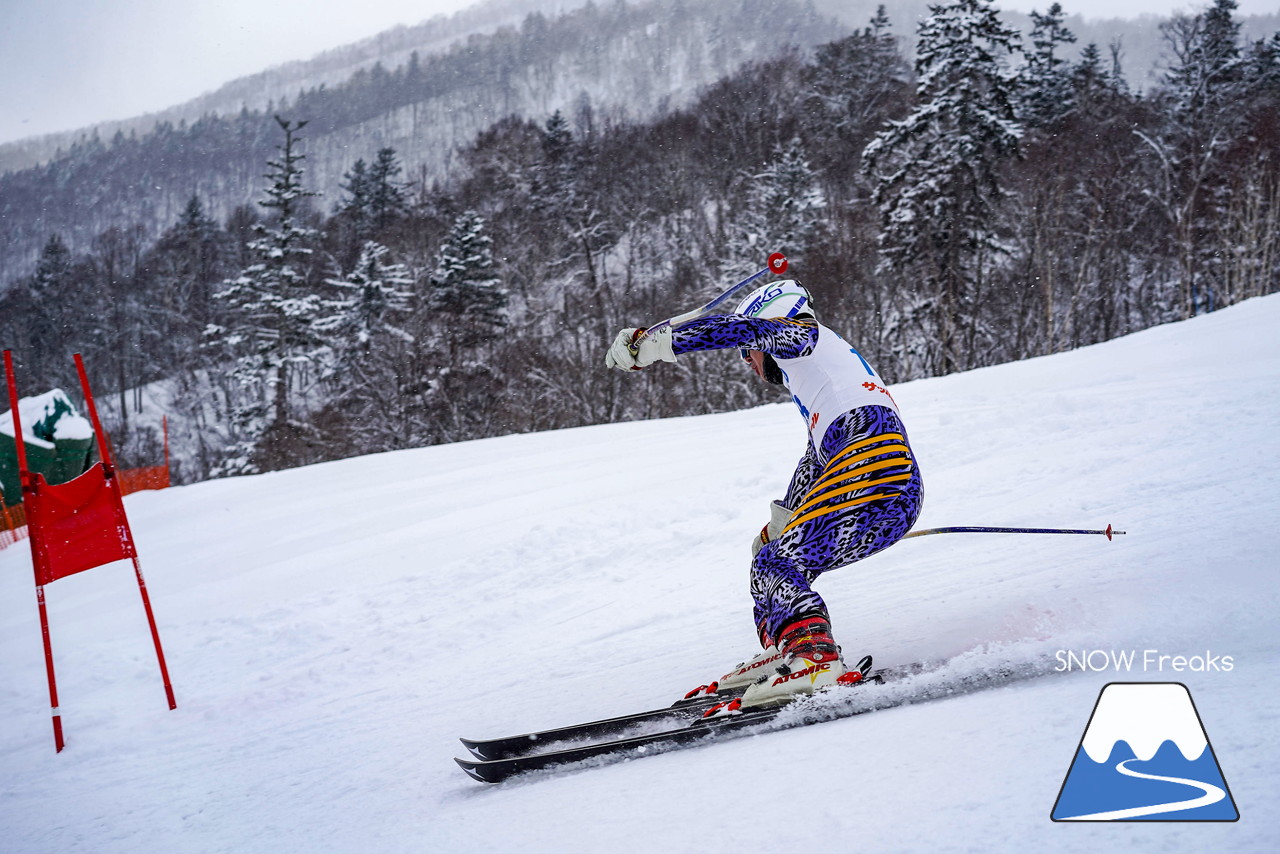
<point>1109,532</point>
<point>777,263</point>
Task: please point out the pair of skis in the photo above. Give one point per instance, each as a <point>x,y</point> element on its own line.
<point>494,760</point>
<point>662,730</point>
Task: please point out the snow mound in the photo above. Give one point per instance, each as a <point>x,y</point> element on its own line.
<point>47,417</point>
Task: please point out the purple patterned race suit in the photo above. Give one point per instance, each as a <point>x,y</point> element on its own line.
<point>857,488</point>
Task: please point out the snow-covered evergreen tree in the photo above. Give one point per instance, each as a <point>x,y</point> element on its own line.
<point>186,262</point>
<point>464,286</point>
<point>1046,76</point>
<point>368,299</point>
<point>388,196</point>
<point>855,78</point>
<point>1263,64</point>
<point>1090,84</point>
<point>1207,67</point>
<point>1205,86</point>
<point>369,346</point>
<point>784,210</point>
<point>49,292</point>
<point>270,309</point>
<point>356,206</point>
<point>376,197</point>
<point>556,176</point>
<point>937,179</point>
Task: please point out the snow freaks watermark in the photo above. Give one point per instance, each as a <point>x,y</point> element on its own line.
<point>1145,756</point>
<point>1140,660</point>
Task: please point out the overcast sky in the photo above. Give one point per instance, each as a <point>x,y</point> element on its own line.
<point>65,64</point>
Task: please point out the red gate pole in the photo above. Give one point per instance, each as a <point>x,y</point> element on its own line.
<point>56,712</point>
<point>34,535</point>
<point>109,467</point>
<point>164,422</point>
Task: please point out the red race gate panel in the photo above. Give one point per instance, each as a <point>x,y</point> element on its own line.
<point>80,525</point>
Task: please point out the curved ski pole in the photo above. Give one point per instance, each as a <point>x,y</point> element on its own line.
<point>777,263</point>
<point>1108,532</point>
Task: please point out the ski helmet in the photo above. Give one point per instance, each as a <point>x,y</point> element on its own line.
<point>783,299</point>
<point>787,298</point>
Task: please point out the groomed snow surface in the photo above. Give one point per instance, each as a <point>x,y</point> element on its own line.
<point>332,630</point>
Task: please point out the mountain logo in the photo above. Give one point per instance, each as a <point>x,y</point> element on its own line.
<point>1145,756</point>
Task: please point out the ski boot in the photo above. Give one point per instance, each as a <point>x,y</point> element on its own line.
<point>742,675</point>
<point>810,661</point>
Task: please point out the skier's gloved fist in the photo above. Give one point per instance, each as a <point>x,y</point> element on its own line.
<point>778,518</point>
<point>633,350</point>
<point>619,354</point>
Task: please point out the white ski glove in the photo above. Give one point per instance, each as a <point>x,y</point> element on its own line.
<point>648,349</point>
<point>779,516</point>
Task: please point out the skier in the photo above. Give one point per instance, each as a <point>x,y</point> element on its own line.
<point>856,491</point>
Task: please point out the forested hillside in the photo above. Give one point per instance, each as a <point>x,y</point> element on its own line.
<point>993,199</point>
<point>623,61</point>
<point>258,91</point>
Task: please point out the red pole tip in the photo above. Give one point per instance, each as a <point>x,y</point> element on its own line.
<point>778,263</point>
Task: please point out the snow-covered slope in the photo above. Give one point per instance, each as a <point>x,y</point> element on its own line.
<point>332,630</point>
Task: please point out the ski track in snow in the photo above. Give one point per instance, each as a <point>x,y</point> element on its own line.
<point>332,630</point>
